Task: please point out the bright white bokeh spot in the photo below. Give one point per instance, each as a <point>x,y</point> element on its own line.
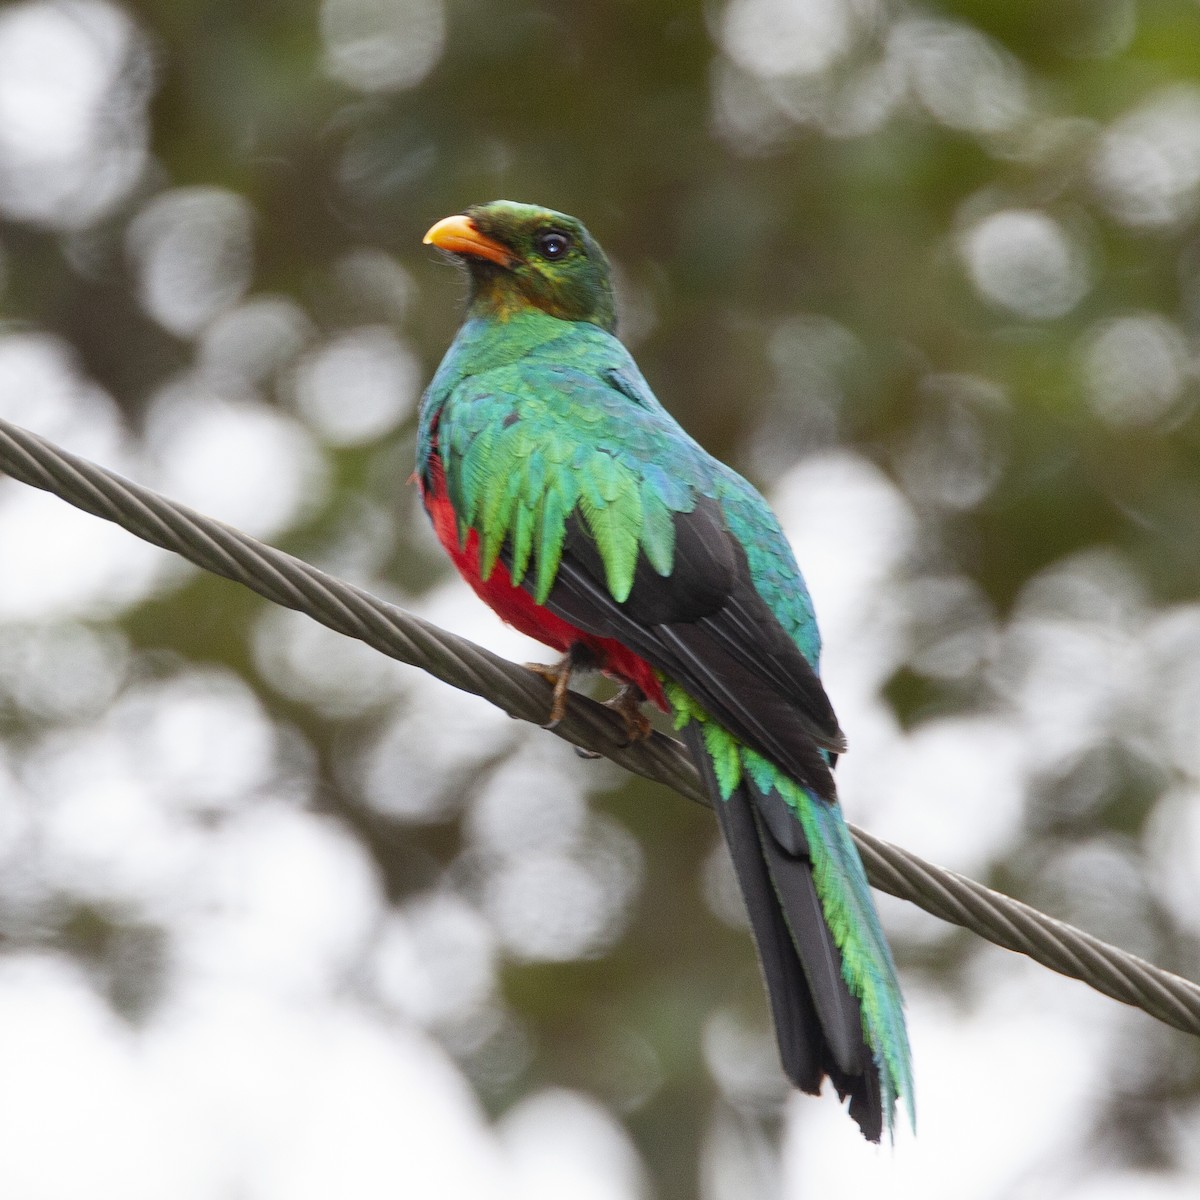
<point>118,801</point>
<point>285,1101</point>
<point>104,833</point>
<point>548,908</point>
<point>252,341</point>
<point>563,1144</point>
<point>1096,586</point>
<point>1024,261</point>
<point>1071,662</point>
<point>875,531</point>
<point>865,101</point>
<point>722,892</point>
<point>555,906</point>
<point>1146,166</point>
<point>374,279</point>
<point>559,881</point>
<point>61,671</point>
<point>1173,846</point>
<point>1134,368</point>
<point>1171,650</point>
<point>287,905</point>
<point>43,390</point>
<point>787,37</point>
<point>952,626</point>
<point>336,675</point>
<point>73,90</point>
<point>955,454</point>
<point>963,78</point>
<point>435,960</point>
<point>793,63</point>
<point>237,460</point>
<point>172,729</point>
<point>58,562</point>
<point>53,75</point>
<point>192,251</point>
<point>534,800</point>
<point>743,1059</point>
<point>748,114</point>
<point>1025,1027</point>
<point>382,45</point>
<point>847,564</point>
<point>1129,1185</point>
<point>420,764</point>
<point>956,791</point>
<point>63,564</point>
<point>71,1075</point>
<point>359,386</point>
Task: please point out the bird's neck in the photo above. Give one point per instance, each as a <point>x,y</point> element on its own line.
<point>484,341</point>
<point>494,298</point>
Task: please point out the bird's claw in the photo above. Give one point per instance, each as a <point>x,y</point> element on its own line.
<point>627,704</point>
<point>558,676</point>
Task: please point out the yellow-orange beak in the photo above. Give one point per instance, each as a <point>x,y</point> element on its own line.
<point>458,235</point>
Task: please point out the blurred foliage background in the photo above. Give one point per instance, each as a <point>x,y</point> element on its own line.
<point>278,918</point>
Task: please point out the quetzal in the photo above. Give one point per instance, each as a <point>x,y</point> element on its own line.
<point>580,511</point>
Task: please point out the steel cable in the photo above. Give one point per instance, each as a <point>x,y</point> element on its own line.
<point>289,581</point>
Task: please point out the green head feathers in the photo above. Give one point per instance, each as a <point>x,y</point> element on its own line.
<point>522,255</point>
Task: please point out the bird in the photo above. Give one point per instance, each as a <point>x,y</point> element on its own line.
<point>584,515</point>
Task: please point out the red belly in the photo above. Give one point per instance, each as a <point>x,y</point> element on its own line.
<point>516,606</point>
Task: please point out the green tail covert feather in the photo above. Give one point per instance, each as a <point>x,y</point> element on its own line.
<point>577,507</point>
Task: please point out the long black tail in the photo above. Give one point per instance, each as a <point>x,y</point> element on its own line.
<point>818,1022</point>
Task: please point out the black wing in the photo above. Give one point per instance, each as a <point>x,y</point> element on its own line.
<point>706,627</point>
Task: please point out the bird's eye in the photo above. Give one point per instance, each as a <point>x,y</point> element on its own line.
<point>553,245</point>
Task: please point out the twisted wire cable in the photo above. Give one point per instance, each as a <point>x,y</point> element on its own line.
<point>289,581</point>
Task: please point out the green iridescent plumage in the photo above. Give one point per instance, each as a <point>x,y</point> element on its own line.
<point>520,479</point>
<point>581,487</point>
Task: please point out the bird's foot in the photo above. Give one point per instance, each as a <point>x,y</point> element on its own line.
<point>558,676</point>
<point>627,704</point>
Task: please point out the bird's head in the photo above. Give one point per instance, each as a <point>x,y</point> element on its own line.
<point>520,254</point>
